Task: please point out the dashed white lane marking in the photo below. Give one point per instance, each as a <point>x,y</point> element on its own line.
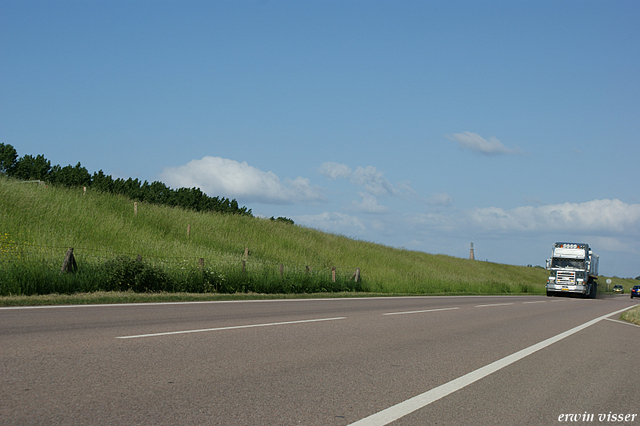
<point>235,327</point>
<point>493,304</point>
<point>537,301</point>
<point>397,411</point>
<point>419,312</point>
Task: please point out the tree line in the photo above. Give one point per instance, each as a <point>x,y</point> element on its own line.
<point>39,168</point>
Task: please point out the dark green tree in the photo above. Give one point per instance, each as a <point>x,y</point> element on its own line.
<point>70,176</point>
<point>29,167</point>
<point>39,168</point>
<point>102,182</point>
<point>8,158</point>
<point>283,220</point>
<point>156,192</point>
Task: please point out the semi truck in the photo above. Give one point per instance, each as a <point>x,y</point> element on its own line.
<point>573,270</point>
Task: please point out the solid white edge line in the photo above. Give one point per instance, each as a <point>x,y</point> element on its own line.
<point>235,327</point>
<point>397,411</point>
<point>419,312</point>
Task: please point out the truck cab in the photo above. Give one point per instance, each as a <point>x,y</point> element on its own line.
<point>573,269</point>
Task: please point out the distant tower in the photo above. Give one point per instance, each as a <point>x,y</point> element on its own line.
<point>471,255</point>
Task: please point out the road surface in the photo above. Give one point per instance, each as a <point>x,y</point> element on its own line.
<point>478,360</point>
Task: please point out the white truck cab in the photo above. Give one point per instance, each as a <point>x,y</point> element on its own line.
<point>574,269</point>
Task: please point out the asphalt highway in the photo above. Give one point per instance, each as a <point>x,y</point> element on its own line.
<point>480,360</point>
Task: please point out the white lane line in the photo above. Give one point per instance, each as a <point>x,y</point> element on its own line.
<point>493,304</point>
<point>537,301</point>
<point>622,322</point>
<point>419,312</point>
<point>229,328</point>
<point>397,411</point>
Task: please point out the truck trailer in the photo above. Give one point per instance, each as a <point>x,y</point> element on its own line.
<point>573,270</point>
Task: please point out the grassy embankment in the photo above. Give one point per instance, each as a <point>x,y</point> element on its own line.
<point>632,315</point>
<point>38,224</point>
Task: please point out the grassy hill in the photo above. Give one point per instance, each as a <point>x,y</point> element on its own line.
<point>39,223</point>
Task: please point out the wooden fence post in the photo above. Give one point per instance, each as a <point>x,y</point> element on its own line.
<point>281,270</point>
<point>69,264</point>
<point>139,258</point>
<point>135,208</point>
<point>356,275</point>
<point>306,269</point>
<point>201,263</point>
<point>188,230</point>
<point>333,274</point>
<point>246,252</point>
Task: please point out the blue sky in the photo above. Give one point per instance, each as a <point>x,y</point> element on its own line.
<point>422,125</point>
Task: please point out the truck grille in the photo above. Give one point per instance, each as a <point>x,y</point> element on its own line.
<point>566,278</point>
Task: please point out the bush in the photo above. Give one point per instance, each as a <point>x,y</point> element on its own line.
<point>128,274</point>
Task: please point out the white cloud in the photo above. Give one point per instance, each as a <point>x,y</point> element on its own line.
<point>611,223</point>
<point>438,221</point>
<point>335,170</point>
<point>369,178</point>
<point>475,142</point>
<point>228,178</point>
<point>333,222</point>
<point>612,216</point>
<point>369,204</point>
<point>441,199</point>
<point>406,189</point>
<point>372,181</point>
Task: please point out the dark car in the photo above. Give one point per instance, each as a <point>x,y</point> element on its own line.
<point>618,289</point>
<point>635,291</point>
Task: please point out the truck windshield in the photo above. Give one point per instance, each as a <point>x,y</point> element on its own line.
<point>567,263</point>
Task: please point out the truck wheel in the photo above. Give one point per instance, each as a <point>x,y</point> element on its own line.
<point>593,289</point>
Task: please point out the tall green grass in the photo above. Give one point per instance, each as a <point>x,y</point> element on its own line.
<point>38,224</point>
<point>632,315</point>
<point>123,274</point>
